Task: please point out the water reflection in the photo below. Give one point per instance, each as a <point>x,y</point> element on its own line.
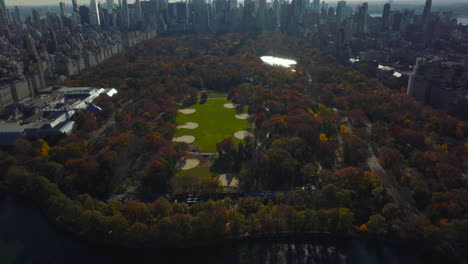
<point>275,61</point>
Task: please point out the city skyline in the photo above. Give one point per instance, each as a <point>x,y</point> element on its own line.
<point>86,2</point>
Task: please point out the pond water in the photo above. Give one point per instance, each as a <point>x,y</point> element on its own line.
<point>276,61</point>
<point>26,237</point>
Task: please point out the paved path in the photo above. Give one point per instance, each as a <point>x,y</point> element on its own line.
<point>401,197</point>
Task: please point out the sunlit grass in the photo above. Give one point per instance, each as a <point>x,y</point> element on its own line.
<point>216,123</point>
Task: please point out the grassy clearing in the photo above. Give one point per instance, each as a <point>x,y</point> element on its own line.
<point>216,123</point>
<point>217,95</point>
<point>199,179</point>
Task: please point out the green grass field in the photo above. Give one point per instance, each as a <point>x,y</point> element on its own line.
<point>197,172</point>
<point>194,180</point>
<point>216,123</point>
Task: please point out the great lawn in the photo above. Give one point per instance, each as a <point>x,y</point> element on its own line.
<point>215,123</point>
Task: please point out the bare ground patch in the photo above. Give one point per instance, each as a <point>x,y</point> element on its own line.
<point>187,164</point>
<point>184,139</point>
<point>230,105</point>
<point>187,111</point>
<point>243,134</point>
<point>242,116</point>
<point>188,125</point>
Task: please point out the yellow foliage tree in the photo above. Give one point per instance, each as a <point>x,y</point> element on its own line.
<point>44,147</point>
<point>442,149</point>
<point>343,129</point>
<point>323,137</point>
<point>362,228</point>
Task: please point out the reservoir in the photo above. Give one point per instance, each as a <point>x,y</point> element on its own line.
<point>276,61</point>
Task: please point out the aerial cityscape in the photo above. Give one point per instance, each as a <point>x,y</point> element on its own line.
<point>301,131</point>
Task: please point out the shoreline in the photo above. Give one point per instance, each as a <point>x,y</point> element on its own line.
<point>278,237</point>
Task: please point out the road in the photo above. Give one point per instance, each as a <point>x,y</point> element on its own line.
<point>400,196</point>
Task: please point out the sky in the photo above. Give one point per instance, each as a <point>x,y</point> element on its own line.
<point>51,2</point>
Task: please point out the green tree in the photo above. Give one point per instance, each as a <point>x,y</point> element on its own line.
<point>377,224</point>
<point>249,205</point>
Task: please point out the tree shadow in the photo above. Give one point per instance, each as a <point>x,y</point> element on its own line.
<point>220,165</point>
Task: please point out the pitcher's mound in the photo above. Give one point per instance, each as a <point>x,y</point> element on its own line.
<point>187,111</point>
<point>188,164</point>
<point>242,134</point>
<point>185,139</point>
<point>188,125</point>
<point>242,116</point>
<point>230,105</point>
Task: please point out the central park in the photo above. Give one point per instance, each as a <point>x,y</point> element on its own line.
<point>315,147</point>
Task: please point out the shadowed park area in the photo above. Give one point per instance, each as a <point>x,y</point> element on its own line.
<point>196,179</point>
<point>215,122</point>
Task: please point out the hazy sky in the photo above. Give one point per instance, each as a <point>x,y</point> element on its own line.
<point>49,2</point>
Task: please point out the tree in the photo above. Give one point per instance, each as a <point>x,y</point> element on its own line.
<point>87,122</point>
<point>165,231</point>
<point>310,172</point>
<point>390,158</point>
<point>106,104</point>
<point>225,146</point>
<point>42,148</point>
<point>235,222</point>
<point>22,147</point>
<point>162,208</point>
<point>377,224</point>
<point>248,205</point>
<point>132,210</point>
<point>346,218</point>
<point>391,211</point>
<point>158,176</point>
<point>183,226</point>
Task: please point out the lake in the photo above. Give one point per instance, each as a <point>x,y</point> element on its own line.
<point>26,237</point>
<point>276,61</point>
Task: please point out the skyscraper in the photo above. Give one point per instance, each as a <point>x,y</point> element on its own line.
<point>62,9</point>
<point>3,19</point>
<point>363,26</point>
<point>36,19</point>
<point>125,16</point>
<point>85,15</point>
<point>386,17</point>
<point>2,5</point>
<point>17,15</point>
<point>75,6</point>
<point>138,13</point>
<point>95,18</point>
<point>427,12</point>
<point>316,6</point>
<point>340,11</point>
<point>110,4</point>
<point>4,13</point>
